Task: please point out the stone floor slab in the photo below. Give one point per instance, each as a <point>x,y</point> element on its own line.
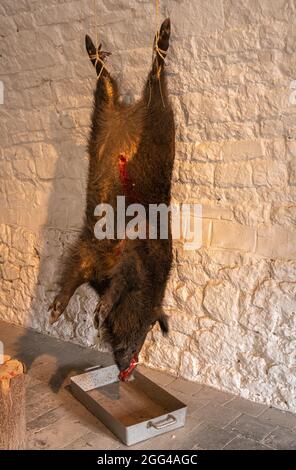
<point>250,427</point>
<point>246,406</point>
<point>281,439</point>
<point>242,443</point>
<point>282,418</point>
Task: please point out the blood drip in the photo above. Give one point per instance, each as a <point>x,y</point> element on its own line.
<point>125,374</point>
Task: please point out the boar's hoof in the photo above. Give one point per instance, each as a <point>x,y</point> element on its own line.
<point>101,312</point>
<point>56,309</point>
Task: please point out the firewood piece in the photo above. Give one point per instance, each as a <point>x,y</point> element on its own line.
<point>12,405</point>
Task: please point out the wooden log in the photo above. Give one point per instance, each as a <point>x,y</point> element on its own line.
<point>12,405</point>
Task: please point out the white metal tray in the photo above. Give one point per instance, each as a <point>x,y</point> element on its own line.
<point>134,411</point>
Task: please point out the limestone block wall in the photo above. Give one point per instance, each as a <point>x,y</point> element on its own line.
<point>231,67</point>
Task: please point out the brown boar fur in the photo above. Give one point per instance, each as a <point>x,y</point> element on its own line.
<point>131,283</point>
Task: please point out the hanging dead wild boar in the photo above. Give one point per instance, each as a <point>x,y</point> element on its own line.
<point>131,153</point>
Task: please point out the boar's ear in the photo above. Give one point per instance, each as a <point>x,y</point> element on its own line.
<point>164,324</point>
<point>163,320</point>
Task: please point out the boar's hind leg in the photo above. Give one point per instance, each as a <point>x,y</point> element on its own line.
<point>107,89</point>
<point>161,46</point>
<point>155,88</point>
<point>106,93</point>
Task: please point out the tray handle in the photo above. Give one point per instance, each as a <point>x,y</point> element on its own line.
<point>168,421</point>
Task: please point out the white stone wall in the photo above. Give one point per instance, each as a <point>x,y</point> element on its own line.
<point>230,65</point>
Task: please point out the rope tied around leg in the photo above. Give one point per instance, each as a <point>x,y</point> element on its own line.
<point>97,59</point>
<point>157,51</point>
<point>96,56</point>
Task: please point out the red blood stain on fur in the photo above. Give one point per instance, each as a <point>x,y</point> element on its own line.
<point>126,182</point>
<point>125,374</point>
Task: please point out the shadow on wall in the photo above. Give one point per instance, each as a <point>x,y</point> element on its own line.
<point>61,169</point>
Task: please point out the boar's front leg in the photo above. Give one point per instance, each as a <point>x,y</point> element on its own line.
<point>61,301</point>
<point>78,269</point>
<point>122,281</point>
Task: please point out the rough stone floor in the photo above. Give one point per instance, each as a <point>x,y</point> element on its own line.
<point>56,420</point>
